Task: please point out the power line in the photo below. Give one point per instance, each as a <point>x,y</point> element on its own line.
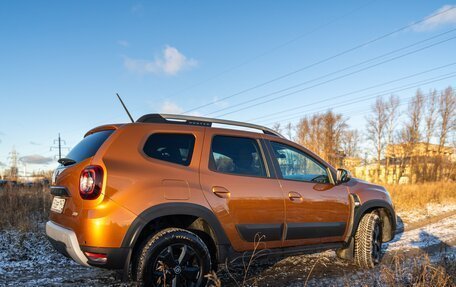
<point>354,92</point>
<point>358,112</point>
<point>275,48</point>
<point>341,77</point>
<point>359,46</point>
<point>361,99</point>
<point>335,72</point>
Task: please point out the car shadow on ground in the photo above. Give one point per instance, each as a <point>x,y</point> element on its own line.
<point>431,244</point>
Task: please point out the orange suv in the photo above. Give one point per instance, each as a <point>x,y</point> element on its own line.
<point>169,197</point>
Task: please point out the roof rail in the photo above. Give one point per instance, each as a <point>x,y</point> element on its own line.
<point>201,121</point>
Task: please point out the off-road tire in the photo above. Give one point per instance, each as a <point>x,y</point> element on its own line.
<point>368,241</point>
<point>159,244</point>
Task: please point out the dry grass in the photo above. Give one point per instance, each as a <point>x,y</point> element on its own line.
<point>411,196</point>
<point>24,208</point>
<point>421,272</point>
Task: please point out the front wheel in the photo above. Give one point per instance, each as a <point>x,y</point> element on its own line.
<point>173,257</point>
<point>368,241</point>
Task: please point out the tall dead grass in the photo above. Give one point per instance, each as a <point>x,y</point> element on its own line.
<point>412,196</point>
<point>24,208</point>
<point>420,272</point>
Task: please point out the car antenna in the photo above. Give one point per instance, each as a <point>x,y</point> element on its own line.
<point>120,99</point>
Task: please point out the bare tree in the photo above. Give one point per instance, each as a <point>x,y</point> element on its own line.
<point>349,143</point>
<point>376,131</point>
<point>322,134</point>
<point>430,119</point>
<point>447,124</point>
<point>277,127</point>
<point>309,133</point>
<point>289,129</point>
<point>412,131</point>
<point>392,110</point>
<point>333,127</point>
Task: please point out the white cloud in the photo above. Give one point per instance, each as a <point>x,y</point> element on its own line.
<point>169,107</point>
<point>34,143</point>
<point>123,43</point>
<point>35,159</point>
<point>444,18</point>
<point>170,63</point>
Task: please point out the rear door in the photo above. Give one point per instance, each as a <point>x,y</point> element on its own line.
<point>244,194</point>
<point>316,210</point>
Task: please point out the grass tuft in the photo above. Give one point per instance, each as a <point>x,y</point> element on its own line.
<point>24,208</point>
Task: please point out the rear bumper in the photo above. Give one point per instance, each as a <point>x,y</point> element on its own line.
<point>66,242</point>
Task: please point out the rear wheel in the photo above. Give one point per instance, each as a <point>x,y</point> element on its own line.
<point>173,257</point>
<point>368,241</point>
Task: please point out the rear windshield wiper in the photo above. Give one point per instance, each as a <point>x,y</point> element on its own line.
<point>66,161</point>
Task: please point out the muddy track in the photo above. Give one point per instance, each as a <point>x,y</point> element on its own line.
<point>27,259</point>
<point>424,222</point>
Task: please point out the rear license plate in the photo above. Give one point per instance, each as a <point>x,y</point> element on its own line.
<point>58,204</point>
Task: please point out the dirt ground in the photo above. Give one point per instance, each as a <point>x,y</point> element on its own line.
<point>27,259</point>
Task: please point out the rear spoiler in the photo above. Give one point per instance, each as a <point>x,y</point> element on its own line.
<point>103,128</point>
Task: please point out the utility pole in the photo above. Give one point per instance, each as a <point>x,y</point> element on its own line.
<point>13,156</point>
<point>58,145</point>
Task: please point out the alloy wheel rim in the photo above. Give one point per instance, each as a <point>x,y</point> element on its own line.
<point>177,265</point>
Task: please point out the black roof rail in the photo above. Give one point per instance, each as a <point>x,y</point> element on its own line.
<point>201,121</point>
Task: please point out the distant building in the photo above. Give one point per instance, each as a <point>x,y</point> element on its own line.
<point>404,163</point>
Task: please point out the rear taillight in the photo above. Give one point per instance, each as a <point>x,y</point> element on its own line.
<point>91,182</point>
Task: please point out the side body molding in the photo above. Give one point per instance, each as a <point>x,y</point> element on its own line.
<point>176,208</point>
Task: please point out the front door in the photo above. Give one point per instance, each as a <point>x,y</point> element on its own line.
<point>242,192</point>
<point>316,209</point>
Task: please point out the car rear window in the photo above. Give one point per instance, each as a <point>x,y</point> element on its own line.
<point>175,148</point>
<point>89,146</point>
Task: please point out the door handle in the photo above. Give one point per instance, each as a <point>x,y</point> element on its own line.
<point>294,196</point>
<point>221,191</point>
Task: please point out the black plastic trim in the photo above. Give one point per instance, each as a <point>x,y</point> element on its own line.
<point>303,230</point>
<point>59,246</point>
<point>372,204</point>
<point>60,191</point>
<point>267,156</point>
<point>271,232</point>
<point>175,208</point>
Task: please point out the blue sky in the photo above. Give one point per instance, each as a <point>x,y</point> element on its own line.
<point>62,62</point>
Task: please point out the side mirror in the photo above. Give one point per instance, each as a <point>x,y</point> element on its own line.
<point>343,175</point>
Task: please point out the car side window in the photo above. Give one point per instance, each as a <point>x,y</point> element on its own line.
<point>175,148</point>
<point>236,155</point>
<point>297,165</point>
